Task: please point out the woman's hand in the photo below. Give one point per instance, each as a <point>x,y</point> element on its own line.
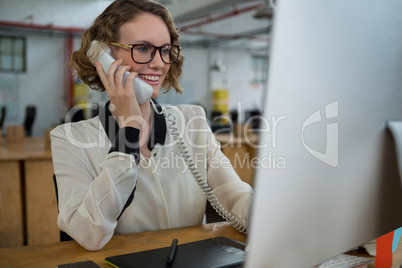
<point>124,104</point>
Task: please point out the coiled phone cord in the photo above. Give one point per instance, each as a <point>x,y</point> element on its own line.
<point>202,183</point>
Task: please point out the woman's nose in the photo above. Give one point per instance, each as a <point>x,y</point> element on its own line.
<point>157,61</point>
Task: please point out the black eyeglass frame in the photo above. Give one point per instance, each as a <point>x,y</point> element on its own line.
<point>131,47</point>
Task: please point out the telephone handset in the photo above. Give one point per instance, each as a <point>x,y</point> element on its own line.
<point>102,53</point>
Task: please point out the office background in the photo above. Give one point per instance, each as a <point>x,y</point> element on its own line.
<point>224,44</point>
<point>226,54</point>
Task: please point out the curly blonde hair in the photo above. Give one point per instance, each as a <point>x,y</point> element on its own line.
<point>106,29</point>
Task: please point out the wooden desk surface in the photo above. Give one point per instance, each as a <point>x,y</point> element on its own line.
<point>51,255</point>
<point>30,148</point>
<point>230,139</point>
<point>397,256</point>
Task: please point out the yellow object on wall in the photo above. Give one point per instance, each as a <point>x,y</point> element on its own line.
<point>80,93</point>
<point>220,105</point>
<point>220,101</point>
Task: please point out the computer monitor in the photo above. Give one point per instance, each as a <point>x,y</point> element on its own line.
<point>328,179</point>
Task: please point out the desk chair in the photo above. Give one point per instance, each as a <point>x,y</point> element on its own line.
<point>2,116</point>
<point>63,235</point>
<point>211,215</point>
<point>30,113</point>
<point>77,114</point>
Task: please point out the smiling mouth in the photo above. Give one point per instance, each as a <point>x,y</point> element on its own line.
<point>150,77</point>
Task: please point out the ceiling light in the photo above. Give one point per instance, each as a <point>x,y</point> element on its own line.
<point>218,66</point>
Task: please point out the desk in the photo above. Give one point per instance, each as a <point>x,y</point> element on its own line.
<point>28,206</point>
<point>397,256</point>
<point>51,255</point>
<point>240,151</point>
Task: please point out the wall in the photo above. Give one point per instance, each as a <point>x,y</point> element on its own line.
<point>237,77</point>
<point>42,85</point>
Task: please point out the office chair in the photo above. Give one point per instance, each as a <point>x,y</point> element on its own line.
<point>63,235</point>
<point>2,116</point>
<point>94,111</point>
<point>75,115</point>
<point>30,113</point>
<point>211,215</point>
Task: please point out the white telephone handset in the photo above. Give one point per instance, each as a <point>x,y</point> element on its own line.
<point>101,53</point>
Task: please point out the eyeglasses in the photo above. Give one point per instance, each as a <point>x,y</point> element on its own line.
<point>144,53</point>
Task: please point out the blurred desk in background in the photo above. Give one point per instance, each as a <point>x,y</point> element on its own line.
<point>240,151</point>
<point>28,205</point>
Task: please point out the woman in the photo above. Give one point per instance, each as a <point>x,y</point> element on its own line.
<point>122,171</point>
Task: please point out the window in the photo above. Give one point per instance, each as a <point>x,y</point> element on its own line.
<point>258,69</point>
<point>12,54</point>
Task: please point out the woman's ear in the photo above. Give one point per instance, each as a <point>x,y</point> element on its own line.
<point>113,51</point>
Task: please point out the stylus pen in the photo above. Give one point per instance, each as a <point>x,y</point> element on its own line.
<point>172,252</point>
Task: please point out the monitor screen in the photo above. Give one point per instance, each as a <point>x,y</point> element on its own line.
<point>328,176</point>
